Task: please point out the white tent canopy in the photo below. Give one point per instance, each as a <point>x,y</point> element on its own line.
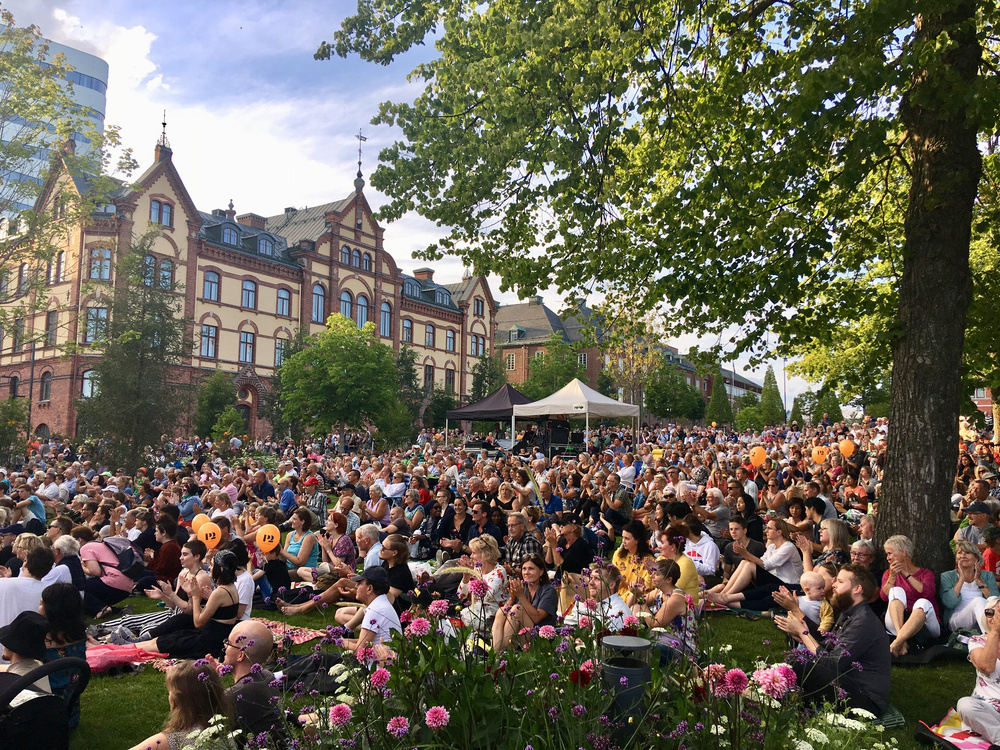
<point>574,400</point>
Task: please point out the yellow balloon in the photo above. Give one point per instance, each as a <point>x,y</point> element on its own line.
<point>198,521</point>
<point>846,448</point>
<point>757,456</point>
<point>268,538</point>
<point>819,455</point>
<point>210,534</point>
<point>713,424</point>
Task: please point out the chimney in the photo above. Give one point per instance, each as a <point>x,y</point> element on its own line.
<point>230,212</point>
<point>252,220</point>
<point>162,153</point>
<point>220,212</point>
<point>534,301</point>
<point>290,211</point>
<point>424,274</point>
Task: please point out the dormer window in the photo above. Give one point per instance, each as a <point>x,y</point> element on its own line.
<point>229,236</point>
<point>442,297</point>
<point>515,333</point>
<point>410,289</point>
<point>265,246</point>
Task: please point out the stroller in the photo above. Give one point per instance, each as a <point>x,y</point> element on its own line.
<point>42,721</point>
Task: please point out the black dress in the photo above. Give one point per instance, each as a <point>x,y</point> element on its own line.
<point>181,640</point>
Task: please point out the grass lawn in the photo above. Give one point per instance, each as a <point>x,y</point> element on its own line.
<point>118,713</point>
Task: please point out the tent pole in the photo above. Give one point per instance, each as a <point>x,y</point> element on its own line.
<point>446,432</point>
<point>513,435</point>
<point>586,435</point>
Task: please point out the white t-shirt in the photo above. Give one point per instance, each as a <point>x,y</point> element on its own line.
<point>381,619</point>
<point>19,595</point>
<point>58,574</point>
<point>611,612</point>
<point>244,588</point>
<point>228,512</point>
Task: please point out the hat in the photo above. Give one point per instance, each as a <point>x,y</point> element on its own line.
<point>988,475</point>
<point>25,635</point>
<point>15,528</point>
<point>372,574</point>
<point>978,507</point>
<point>105,473</point>
<point>310,482</point>
<point>109,488</point>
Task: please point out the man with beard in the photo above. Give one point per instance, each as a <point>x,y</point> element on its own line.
<point>859,661</point>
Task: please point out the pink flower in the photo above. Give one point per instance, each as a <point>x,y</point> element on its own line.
<point>715,676</point>
<point>437,717</point>
<point>340,715</point>
<point>380,678</point>
<point>438,608</point>
<point>547,632</point>
<point>398,726</point>
<point>584,621</point>
<point>771,682</point>
<point>420,627</point>
<point>589,667</point>
<point>478,588</point>
<point>736,681</point>
<point>631,622</point>
<point>591,604</point>
<point>788,673</point>
<point>366,654</point>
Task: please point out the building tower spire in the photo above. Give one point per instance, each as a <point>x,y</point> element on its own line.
<point>163,136</point>
<point>162,150</point>
<point>359,181</point>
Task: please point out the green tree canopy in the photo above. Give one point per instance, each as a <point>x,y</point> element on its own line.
<point>796,415</point>
<point>552,369</point>
<point>346,378</point>
<point>215,393</point>
<point>488,374</point>
<point>229,424</point>
<point>719,409</point>
<point>271,407</point>
<point>749,417</point>
<point>668,395</point>
<point>828,404</point>
<point>772,408</point>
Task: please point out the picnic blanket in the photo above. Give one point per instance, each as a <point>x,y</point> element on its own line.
<point>950,732</point>
<point>107,655</point>
<point>280,630</point>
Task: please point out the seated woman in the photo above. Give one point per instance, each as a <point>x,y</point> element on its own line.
<point>301,549</point>
<point>533,602</point>
<point>671,608</point>
<point>836,541</point>
<point>63,608</point>
<point>212,620</point>
<point>106,585</point>
<point>673,541</point>
<point>746,508</point>
<point>797,520</point>
<point>634,559</point>
<point>165,563</point>
<point>965,589</point>
<point>756,578</point>
<point>486,598</point>
<point>912,612</point>
<point>336,549</point>
<point>980,711</point>
<point>196,696</point>
<point>421,546</point>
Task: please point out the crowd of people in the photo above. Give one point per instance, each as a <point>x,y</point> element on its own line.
<point>663,524</point>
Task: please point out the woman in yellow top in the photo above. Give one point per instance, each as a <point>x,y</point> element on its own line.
<point>672,545</point>
<point>635,560</point>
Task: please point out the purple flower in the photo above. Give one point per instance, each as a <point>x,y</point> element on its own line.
<point>553,713</point>
<point>624,681</point>
<point>554,676</point>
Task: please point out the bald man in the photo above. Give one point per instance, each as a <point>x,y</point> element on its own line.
<point>247,649</point>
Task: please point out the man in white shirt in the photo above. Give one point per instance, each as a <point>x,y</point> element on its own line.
<point>749,486</point>
<point>380,619</point>
<point>25,592</point>
<point>369,545</point>
<point>610,610</point>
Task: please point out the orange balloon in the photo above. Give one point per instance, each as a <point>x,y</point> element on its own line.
<point>713,424</point>
<point>199,520</point>
<point>757,456</point>
<point>819,455</point>
<point>268,538</point>
<point>210,534</point>
<point>846,448</point>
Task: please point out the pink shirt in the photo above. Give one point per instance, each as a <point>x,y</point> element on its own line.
<point>110,575</point>
<point>926,578</point>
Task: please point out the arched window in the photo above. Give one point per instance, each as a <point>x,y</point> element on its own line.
<point>148,269</point>
<point>154,212</point>
<point>42,431</point>
<point>385,322</point>
<point>265,246</point>
<point>100,264</point>
<point>89,386</point>
<point>249,295</point>
<point>229,236</point>
<point>407,331</point>
<point>166,274</point>
<point>442,297</point>
<point>166,215</point>
<point>367,262</point>
<point>345,255</point>
<point>280,347</point>
<point>429,336</point>
<point>362,310</point>
<point>319,304</point>
<point>449,341</point>
<point>210,290</point>
<point>285,302</point>
<point>247,341</point>
<point>356,258</point>
<point>14,383</point>
<point>346,304</point>
<point>45,390</point>
<point>411,289</point>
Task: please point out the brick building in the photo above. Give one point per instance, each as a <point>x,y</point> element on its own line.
<point>248,281</point>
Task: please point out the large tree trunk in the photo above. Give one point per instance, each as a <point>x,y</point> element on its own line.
<point>936,286</point>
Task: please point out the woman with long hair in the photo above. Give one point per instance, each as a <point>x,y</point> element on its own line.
<point>671,609</point>
<point>835,537</point>
<point>634,559</point>
<point>533,602</point>
<point>756,578</point>
<point>300,550</point>
<point>196,695</point>
<point>63,608</point>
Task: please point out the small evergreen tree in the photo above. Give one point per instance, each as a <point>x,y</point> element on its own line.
<point>215,393</point>
<point>829,404</point>
<point>796,416</point>
<point>719,409</point>
<point>772,408</point>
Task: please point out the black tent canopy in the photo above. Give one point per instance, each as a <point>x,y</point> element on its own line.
<point>498,405</point>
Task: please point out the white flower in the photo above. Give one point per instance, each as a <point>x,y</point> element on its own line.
<point>862,714</point>
<point>719,729</point>
<point>337,669</point>
<point>847,723</point>
<point>802,745</point>
<point>726,648</point>
<point>816,736</point>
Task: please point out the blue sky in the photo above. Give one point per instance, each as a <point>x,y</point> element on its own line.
<point>251,115</point>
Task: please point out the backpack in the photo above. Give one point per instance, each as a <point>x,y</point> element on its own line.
<point>129,561</point>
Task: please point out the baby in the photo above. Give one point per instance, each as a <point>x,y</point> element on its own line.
<point>813,587</point>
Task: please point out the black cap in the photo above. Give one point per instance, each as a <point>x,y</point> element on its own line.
<point>25,635</point>
<point>372,574</point>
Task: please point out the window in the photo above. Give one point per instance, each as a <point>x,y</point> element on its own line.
<point>319,304</point>
<point>478,345</point>
<point>407,331</point>
<point>385,322</point>
<point>265,246</point>
<point>510,361</point>
<point>209,341</point>
<point>14,383</point>
<point>154,212</point>
<point>18,342</point>
<point>45,389</point>
<point>166,215</point>
<point>581,359</point>
<point>362,310</point>
<point>428,376</point>
<point>88,388</point>
<point>449,380</point>
<point>51,324</point>
<point>161,213</point>
<point>411,289</point>
<point>280,346</point>
<point>356,258</point>
<point>148,270</point>
<point>539,354</point>
<point>166,274</point>
<point>367,262</point>
<point>4,283</point>
<point>249,295</point>
<point>429,336</point>
<point>285,302</point>
<point>246,347</point>
<point>97,324</point>
<point>514,335</point>
<point>100,264</point>
<point>210,290</point>
<point>442,297</point>
<point>345,255</point>
<point>56,267</point>
<point>478,307</point>
<point>229,236</point>
<point>980,393</point>
<point>346,303</point>
<point>449,341</point>
<point>22,278</point>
